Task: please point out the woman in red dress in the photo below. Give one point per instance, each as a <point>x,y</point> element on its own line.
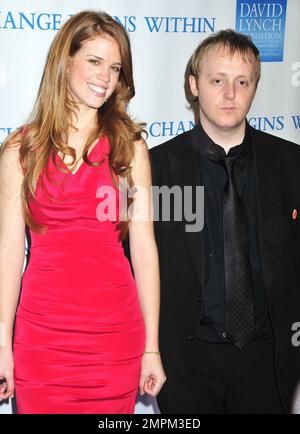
<point>85,336</point>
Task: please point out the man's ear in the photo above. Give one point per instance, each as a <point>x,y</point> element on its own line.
<point>193,85</point>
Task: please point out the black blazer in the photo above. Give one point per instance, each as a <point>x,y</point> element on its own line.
<point>181,253</point>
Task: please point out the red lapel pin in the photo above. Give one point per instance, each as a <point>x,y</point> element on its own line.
<point>294,214</point>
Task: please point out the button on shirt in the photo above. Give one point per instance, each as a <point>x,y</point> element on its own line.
<point>211,326</point>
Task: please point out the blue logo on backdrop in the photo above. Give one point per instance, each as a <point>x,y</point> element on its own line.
<point>264,21</point>
<point>171,128</point>
<point>180,24</point>
<point>265,123</point>
<point>32,21</point>
<point>296,121</point>
<point>275,123</point>
<point>168,128</point>
<point>13,20</point>
<point>4,132</point>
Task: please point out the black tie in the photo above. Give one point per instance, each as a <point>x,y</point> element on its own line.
<point>239,306</point>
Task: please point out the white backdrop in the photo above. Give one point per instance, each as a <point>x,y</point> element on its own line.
<point>164,34</point>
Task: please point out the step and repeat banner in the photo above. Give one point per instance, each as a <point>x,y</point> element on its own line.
<point>163,33</point>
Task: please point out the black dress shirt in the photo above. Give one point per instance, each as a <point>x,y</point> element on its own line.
<point>211,326</point>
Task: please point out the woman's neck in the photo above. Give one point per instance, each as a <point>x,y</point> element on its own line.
<point>85,120</point>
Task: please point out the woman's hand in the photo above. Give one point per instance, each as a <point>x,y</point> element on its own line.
<point>7,386</point>
<point>152,374</point>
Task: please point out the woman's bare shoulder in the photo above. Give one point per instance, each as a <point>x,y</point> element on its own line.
<point>9,154</point>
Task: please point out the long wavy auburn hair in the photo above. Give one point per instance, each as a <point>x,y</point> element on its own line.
<point>45,133</point>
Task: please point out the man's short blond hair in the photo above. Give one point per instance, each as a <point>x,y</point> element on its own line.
<point>228,39</point>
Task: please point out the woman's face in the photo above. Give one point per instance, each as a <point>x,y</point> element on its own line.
<point>93,72</point>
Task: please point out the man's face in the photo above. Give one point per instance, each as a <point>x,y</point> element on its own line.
<point>225,89</point>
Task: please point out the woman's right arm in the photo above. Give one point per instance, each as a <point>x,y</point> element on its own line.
<point>12,252</point>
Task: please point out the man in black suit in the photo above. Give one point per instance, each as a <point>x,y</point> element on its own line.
<point>230,293</point>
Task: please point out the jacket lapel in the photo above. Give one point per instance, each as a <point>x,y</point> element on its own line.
<point>269,202</point>
<point>185,171</point>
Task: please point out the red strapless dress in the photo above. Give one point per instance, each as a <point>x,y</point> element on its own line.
<point>79,333</point>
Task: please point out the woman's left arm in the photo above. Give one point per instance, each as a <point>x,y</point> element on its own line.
<point>144,259</point>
